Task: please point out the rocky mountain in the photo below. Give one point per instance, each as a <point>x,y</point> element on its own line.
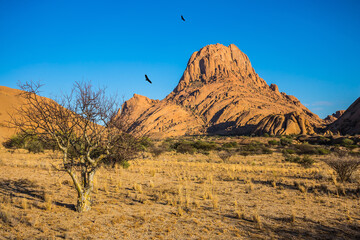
<point>333,117</point>
<point>220,93</point>
<point>349,121</point>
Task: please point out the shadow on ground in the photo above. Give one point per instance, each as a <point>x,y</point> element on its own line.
<point>24,188</point>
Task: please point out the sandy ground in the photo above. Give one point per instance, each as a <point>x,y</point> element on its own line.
<point>179,196</point>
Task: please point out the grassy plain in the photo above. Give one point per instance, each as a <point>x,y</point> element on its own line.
<point>179,196</point>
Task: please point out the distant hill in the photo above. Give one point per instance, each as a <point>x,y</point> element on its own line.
<point>349,121</point>
<point>220,93</point>
<point>9,102</point>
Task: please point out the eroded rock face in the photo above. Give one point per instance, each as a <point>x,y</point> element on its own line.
<point>333,117</point>
<point>220,93</point>
<point>279,124</point>
<point>349,121</point>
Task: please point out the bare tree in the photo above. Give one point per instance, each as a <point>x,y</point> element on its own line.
<point>344,166</point>
<point>83,127</point>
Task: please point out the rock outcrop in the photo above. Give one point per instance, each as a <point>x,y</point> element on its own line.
<point>220,93</point>
<point>348,122</point>
<point>333,117</point>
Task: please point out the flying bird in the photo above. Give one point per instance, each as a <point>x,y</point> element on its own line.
<point>182,18</point>
<point>147,79</point>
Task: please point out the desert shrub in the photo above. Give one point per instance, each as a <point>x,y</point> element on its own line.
<point>273,142</point>
<point>204,146</point>
<point>16,141</point>
<point>266,135</point>
<point>324,140</point>
<point>34,146</point>
<point>29,141</point>
<point>344,166</point>
<point>230,145</point>
<point>305,161</point>
<point>184,147</point>
<point>225,155</point>
<point>310,149</point>
<point>254,148</point>
<point>157,151</point>
<point>323,151</point>
<point>305,149</point>
<point>145,143</point>
<point>346,142</point>
<point>286,141</point>
<point>124,163</point>
<point>288,151</point>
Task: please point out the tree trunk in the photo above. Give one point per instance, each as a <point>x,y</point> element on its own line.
<point>84,196</point>
<point>84,201</point>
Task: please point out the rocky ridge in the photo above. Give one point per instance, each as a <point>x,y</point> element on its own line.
<point>348,122</point>
<point>333,117</point>
<point>220,93</point>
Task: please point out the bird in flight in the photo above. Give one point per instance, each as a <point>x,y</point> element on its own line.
<point>182,18</point>
<point>147,79</point>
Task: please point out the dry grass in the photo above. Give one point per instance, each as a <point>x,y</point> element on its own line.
<point>179,196</point>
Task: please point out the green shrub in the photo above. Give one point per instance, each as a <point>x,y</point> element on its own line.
<point>145,143</point>
<point>323,151</point>
<point>254,149</point>
<point>204,146</point>
<point>230,145</point>
<point>34,146</point>
<point>185,147</point>
<point>125,164</point>
<point>273,142</point>
<point>30,142</point>
<point>347,142</point>
<point>286,141</point>
<point>288,151</point>
<point>305,161</point>
<point>16,141</point>
<point>157,151</point>
<point>305,149</point>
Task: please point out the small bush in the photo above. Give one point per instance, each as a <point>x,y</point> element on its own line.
<point>31,142</point>
<point>225,155</point>
<point>286,141</point>
<point>230,145</point>
<point>305,161</point>
<point>34,146</point>
<point>346,142</point>
<point>125,164</point>
<point>288,151</point>
<point>254,149</point>
<point>185,147</point>
<point>344,166</point>
<point>305,149</point>
<point>323,151</point>
<point>273,142</point>
<point>145,143</point>
<point>204,146</point>
<point>157,151</point>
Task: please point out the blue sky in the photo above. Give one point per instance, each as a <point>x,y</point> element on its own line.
<point>310,49</point>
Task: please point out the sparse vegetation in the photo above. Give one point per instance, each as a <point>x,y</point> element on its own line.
<point>344,166</point>
<point>84,127</point>
<point>181,194</point>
